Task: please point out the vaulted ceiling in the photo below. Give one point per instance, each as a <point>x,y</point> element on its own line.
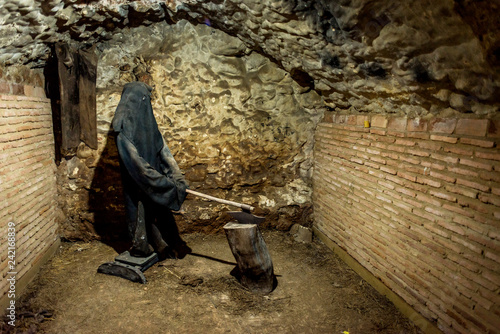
<point>415,57</point>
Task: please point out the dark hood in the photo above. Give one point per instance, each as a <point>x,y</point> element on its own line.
<point>135,120</point>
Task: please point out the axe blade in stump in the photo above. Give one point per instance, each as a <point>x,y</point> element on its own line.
<point>254,265</point>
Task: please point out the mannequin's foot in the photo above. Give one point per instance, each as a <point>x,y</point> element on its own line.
<point>141,250</point>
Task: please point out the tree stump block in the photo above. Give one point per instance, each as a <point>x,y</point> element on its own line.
<point>254,266</point>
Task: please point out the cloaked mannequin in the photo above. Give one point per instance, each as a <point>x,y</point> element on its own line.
<point>152,181</point>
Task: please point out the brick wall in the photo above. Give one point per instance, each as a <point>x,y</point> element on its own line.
<point>417,203</point>
<point>27,182</point>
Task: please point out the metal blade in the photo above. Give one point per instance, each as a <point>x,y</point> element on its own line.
<point>245,217</point>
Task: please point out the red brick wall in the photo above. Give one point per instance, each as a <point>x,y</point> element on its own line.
<point>417,203</point>
<point>27,180</point>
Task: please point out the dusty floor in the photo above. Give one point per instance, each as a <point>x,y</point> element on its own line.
<point>316,293</point>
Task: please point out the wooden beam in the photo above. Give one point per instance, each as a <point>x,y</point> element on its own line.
<point>67,69</point>
<point>87,76</point>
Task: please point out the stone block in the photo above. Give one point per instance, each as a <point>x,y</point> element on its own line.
<point>397,123</point>
<point>4,88</point>
<point>17,89</point>
<point>29,90</point>
<point>442,125</point>
<point>341,119</point>
<point>301,233</point>
<point>472,127</point>
<point>379,121</point>
<point>351,120</point>
<point>39,92</point>
<point>494,129</point>
<point>328,117</point>
<point>361,119</point>
<point>416,125</point>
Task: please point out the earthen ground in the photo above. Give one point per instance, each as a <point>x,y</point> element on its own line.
<point>316,293</point>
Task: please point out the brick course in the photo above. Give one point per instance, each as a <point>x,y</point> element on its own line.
<point>27,179</point>
<point>417,203</point>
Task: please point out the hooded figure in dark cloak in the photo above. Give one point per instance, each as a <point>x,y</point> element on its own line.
<point>152,181</point>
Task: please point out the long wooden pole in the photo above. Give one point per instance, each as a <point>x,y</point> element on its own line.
<point>220,200</point>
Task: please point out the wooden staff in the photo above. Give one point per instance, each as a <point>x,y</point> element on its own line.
<point>245,207</point>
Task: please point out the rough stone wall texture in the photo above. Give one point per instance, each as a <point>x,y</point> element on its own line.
<point>414,57</point>
<point>239,127</point>
<point>27,173</point>
<point>417,58</point>
<point>417,203</point>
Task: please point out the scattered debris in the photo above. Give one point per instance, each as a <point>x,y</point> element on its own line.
<point>301,233</point>
<point>191,281</point>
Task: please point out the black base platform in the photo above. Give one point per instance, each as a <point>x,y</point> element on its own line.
<point>129,267</point>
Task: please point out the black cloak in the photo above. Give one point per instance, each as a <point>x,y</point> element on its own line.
<point>152,180</point>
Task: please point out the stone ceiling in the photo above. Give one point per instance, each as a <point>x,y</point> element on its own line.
<point>417,57</point>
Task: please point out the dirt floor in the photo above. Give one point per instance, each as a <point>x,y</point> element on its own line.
<point>316,293</point>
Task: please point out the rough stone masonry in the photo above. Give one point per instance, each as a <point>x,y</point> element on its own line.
<point>266,102</point>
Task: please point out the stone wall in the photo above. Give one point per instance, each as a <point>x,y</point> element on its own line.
<point>239,127</point>
<point>28,197</point>
<point>415,57</point>
<point>417,203</point>
<point>240,86</point>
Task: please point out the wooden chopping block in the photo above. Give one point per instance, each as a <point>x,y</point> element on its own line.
<point>254,265</point>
